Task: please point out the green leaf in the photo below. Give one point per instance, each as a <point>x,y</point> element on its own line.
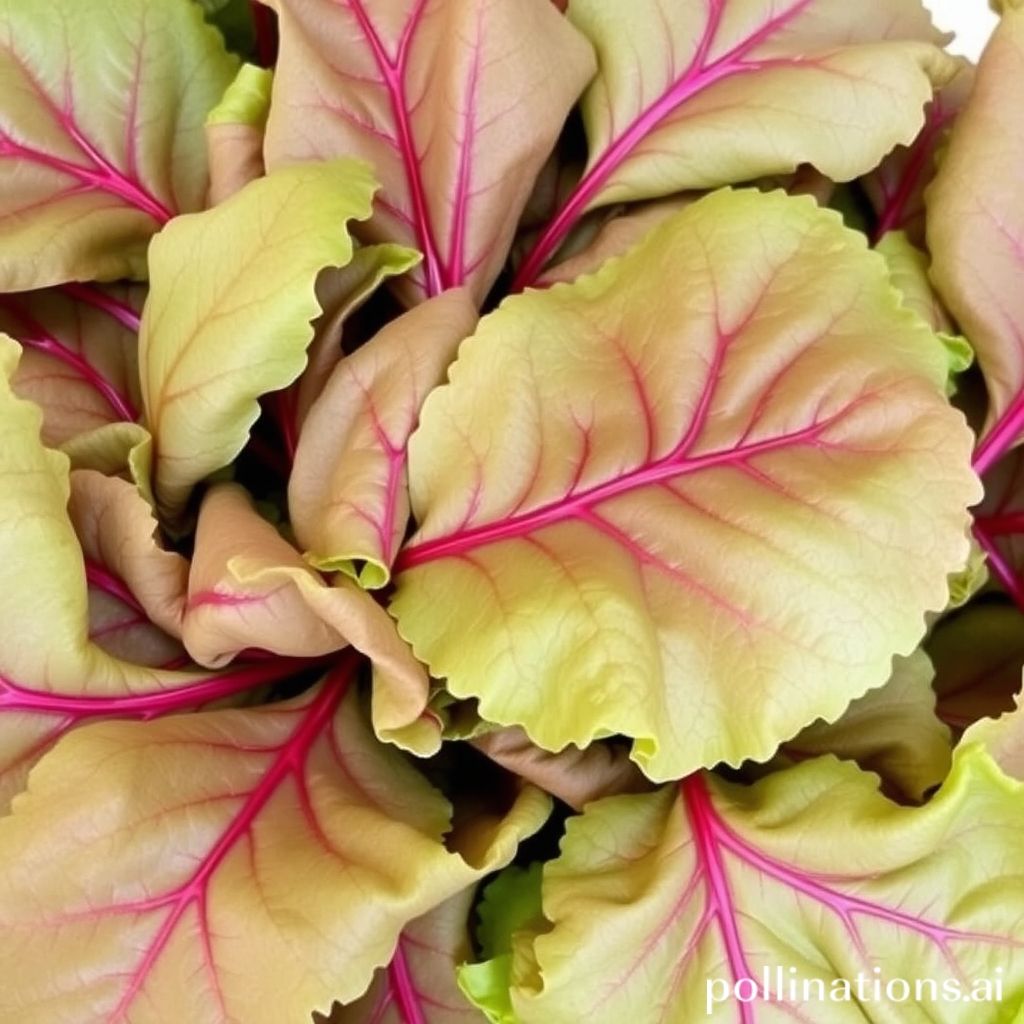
<point>102,105</point>
<point>231,302</point>
<point>694,517</point>
<point>660,904</point>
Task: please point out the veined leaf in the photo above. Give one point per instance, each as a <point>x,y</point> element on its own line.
<point>136,588</point>
<point>419,982</point>
<point>101,132</point>
<point>348,492</point>
<point>693,518</point>
<point>229,312</point>
<point>457,104</point>
<point>55,677</point>
<point>896,187</point>
<point>80,358</point>
<point>279,843</point>
<point>661,903</point>
<point>976,228</point>
<point>249,588</point>
<point>698,95</point>
<point>234,133</point>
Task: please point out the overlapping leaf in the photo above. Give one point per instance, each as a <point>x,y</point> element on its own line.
<point>230,310</point>
<point>348,492</point>
<point>661,903</point>
<point>976,232</point>
<point>419,982</point>
<point>80,359</point>
<point>235,130</point>
<point>153,869</point>
<point>54,676</point>
<point>697,95</point>
<point>694,517</point>
<point>101,132</point>
<point>456,104</point>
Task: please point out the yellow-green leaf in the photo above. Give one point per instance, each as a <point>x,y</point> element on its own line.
<point>102,105</point>
<point>681,499</point>
<point>248,865</point>
<point>232,298</point>
<point>663,904</point>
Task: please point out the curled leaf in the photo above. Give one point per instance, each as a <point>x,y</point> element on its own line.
<point>348,492</point>
<point>230,309</point>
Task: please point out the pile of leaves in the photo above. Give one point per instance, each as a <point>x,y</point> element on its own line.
<point>507,513</point>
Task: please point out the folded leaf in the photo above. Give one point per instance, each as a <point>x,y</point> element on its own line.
<point>80,359</point>
<point>1003,738</point>
<point>54,676</point>
<point>419,983</point>
<point>249,588</point>
<point>978,656</point>
<point>422,91</point>
<point>136,587</point>
<point>693,96</point>
<point>235,130</point>
<point>348,493</point>
<point>975,232</point>
<point>234,865</point>
<point>226,616</point>
<point>340,294</point>
<point>229,312</point>
<point>809,878</point>
<point>693,516</point>
<point>101,132</point>
<point>893,731</point>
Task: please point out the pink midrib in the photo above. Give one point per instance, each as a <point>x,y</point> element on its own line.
<point>695,79</point>
<point>15,697</point>
<point>290,759</point>
<point>103,176</point>
<point>577,505</point>
<point>393,74</point>
<point>712,835</point>
<point>403,987</point>
<point>36,336</point>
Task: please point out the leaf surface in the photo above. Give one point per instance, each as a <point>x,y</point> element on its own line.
<point>55,676</point>
<point>235,129</point>
<point>656,898</point>
<point>419,982</point>
<point>692,519</point>
<point>698,95</point>
<point>893,731</point>
<point>153,869</point>
<point>348,493</point>
<point>976,233</point>
<point>230,308</point>
<point>101,132</point>
<point>80,358</point>
<point>424,92</point>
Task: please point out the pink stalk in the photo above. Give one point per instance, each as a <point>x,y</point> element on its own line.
<point>696,77</point>
<point>407,998</point>
<point>93,296</point>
